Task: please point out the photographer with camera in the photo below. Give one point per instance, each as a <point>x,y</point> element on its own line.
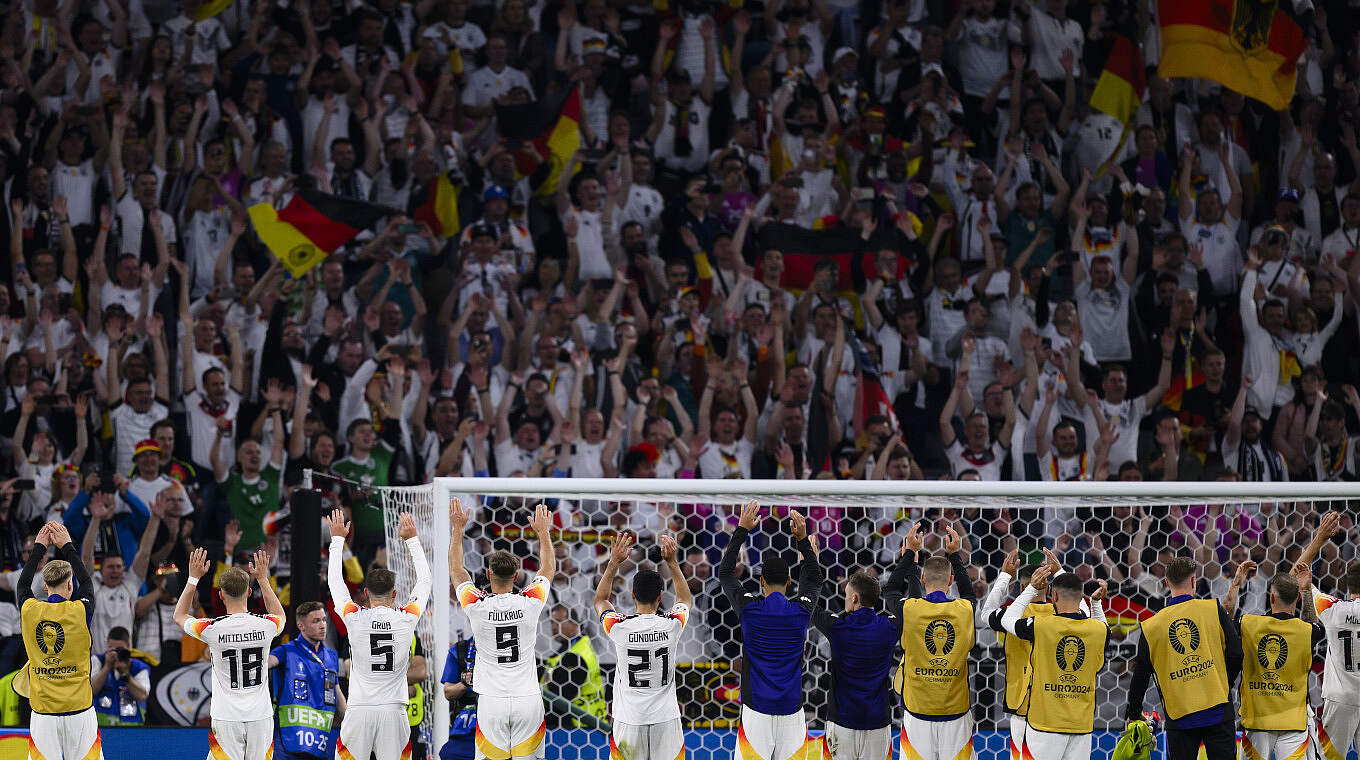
<point>120,682</point>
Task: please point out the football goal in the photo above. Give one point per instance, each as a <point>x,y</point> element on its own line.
<point>1123,533</point>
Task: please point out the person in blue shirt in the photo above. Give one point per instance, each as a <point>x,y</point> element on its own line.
<point>305,685</point>
<point>863,639</point>
<point>127,526</point>
<point>457,680</point>
<point>773,633</point>
<point>120,682</point>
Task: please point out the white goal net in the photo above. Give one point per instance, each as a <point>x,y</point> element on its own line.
<point>1123,533</point>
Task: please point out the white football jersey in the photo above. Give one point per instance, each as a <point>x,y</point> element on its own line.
<point>239,644</point>
<point>505,628</point>
<point>644,680</point>
<point>379,637</point>
<point>380,652</point>
<point>1341,669</point>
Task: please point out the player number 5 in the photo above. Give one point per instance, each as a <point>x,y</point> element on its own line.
<point>380,646</point>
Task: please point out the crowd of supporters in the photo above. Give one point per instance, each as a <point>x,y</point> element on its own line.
<point>798,239</point>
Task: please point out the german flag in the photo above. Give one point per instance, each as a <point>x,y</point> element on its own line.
<point>312,225</point>
<point>1250,46</point>
<point>440,208</point>
<point>553,125</point>
<point>1119,92</point>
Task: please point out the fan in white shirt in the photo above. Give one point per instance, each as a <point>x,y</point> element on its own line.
<point>242,715</point>
<point>646,713</point>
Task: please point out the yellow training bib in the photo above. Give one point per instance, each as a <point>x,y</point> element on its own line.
<point>936,638</point>
<point>1276,657</point>
<point>57,640</point>
<point>1068,655</point>
<point>1185,642</point>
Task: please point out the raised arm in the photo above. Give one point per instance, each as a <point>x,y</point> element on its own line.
<point>542,525</point>
<point>618,552</point>
<point>670,553</point>
<point>458,518</point>
<point>335,574</point>
<point>198,567</point>
<point>259,570</point>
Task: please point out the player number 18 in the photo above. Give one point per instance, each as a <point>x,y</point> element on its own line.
<point>246,666</point>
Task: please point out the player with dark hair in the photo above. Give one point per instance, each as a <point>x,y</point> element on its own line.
<point>1277,656</point>
<point>505,629</point>
<point>774,630</point>
<point>1340,618</point>
<point>380,639</point>
<point>937,634</point>
<point>1015,698</point>
<point>1067,653</point>
<point>242,714</point>
<point>56,632</point>
<point>646,712</point>
<point>1194,650</point>
<point>863,639</point>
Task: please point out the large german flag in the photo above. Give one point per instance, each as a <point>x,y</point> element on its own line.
<point>1251,46</point>
<point>1122,84</point>
<point>312,225</point>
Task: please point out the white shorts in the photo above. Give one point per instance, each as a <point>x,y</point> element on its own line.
<point>1282,745</point>
<point>858,743</point>
<point>383,732</point>
<point>1043,745</point>
<point>241,739</point>
<point>650,741</point>
<point>1339,730</point>
<point>1019,730</point>
<point>771,737</point>
<point>510,727</point>
<point>53,737</point>
<point>938,739</point>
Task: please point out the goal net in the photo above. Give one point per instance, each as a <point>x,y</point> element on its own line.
<point>1120,532</point>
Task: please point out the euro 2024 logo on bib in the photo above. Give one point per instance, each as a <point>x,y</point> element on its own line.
<point>51,638</point>
<point>1070,654</point>
<point>1271,652</point>
<point>940,638</point>
<point>1184,636</point>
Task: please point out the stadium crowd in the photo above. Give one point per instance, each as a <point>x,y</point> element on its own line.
<point>803,239</point>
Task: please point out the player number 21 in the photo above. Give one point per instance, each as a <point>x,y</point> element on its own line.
<point>640,661</point>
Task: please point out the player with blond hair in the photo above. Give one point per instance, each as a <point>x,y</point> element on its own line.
<point>239,642</point>
<point>56,632</point>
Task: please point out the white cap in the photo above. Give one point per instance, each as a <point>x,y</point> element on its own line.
<point>843,51</point>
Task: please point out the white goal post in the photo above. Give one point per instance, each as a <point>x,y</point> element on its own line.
<point>894,502</point>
